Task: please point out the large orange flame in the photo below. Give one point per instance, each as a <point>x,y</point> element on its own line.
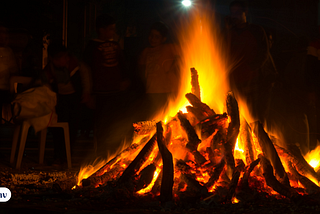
<point>313,158</point>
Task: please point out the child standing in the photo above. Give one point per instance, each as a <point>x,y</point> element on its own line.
<point>106,60</point>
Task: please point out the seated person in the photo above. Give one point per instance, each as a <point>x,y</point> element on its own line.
<point>70,79</point>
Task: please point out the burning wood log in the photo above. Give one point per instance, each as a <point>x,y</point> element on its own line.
<point>219,140</point>
<point>294,155</point>
<point>144,127</point>
<point>146,176</point>
<point>244,184</point>
<point>216,173</point>
<point>246,137</point>
<point>182,166</point>
<point>196,113</point>
<point>130,149</point>
<point>233,111</point>
<point>138,161</point>
<point>310,187</point>
<point>193,184</point>
<point>233,185</point>
<point>96,180</point>
<point>233,132</point>
<point>195,87</point>
<point>209,125</point>
<point>228,156</point>
<point>167,160</point>
<point>270,152</point>
<point>199,106</point>
<point>271,179</point>
<point>193,139</point>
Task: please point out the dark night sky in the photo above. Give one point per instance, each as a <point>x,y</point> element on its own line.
<point>288,20</point>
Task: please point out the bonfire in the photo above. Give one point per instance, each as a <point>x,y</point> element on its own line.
<point>204,147</point>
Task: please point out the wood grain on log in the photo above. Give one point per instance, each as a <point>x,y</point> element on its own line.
<point>270,152</point>
<point>200,106</point>
<point>233,132</point>
<point>271,179</point>
<point>294,155</point>
<point>210,124</point>
<point>245,136</point>
<point>311,188</point>
<point>195,87</point>
<point>215,174</point>
<point>135,165</point>
<point>168,171</point>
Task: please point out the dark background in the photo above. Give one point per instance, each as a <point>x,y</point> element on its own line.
<point>291,22</point>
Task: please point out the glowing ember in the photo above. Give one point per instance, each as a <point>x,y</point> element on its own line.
<point>149,187</point>
<point>234,200</point>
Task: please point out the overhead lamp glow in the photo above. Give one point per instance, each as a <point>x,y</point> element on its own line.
<point>186,3</point>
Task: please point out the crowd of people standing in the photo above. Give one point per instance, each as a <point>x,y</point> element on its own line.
<point>101,80</point>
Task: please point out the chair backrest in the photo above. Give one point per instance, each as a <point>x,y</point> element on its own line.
<point>15,80</point>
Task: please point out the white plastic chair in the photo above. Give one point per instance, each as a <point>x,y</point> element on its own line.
<point>21,130</point>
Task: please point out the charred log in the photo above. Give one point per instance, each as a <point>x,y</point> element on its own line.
<point>294,155</point>
<point>240,165</point>
<point>145,177</point>
<point>233,185</point>
<point>201,107</point>
<point>209,125</point>
<point>233,112</point>
<point>196,113</point>
<point>195,87</point>
<point>198,157</point>
<point>233,132</point>
<point>97,180</point>
<point>132,148</point>
<point>167,160</point>
<point>244,184</point>
<point>218,140</point>
<point>246,137</point>
<point>193,184</point>
<point>193,139</point>
<point>271,179</point>
<point>311,188</point>
<point>144,127</point>
<point>182,166</point>
<point>270,152</point>
<point>135,165</point>
<point>216,173</point>
<point>228,156</point>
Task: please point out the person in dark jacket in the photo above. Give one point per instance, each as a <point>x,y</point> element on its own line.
<point>251,75</point>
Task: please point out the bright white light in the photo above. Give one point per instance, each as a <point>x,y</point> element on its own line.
<point>186,3</point>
